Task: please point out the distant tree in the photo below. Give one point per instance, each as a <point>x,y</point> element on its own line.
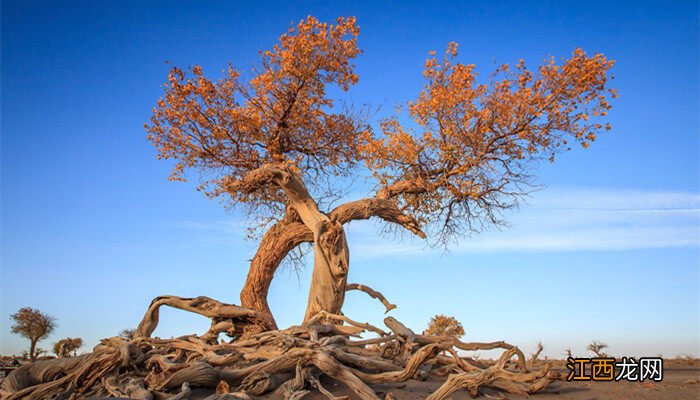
<point>127,333</point>
<point>58,347</point>
<point>444,325</point>
<point>568,353</point>
<point>686,358</point>
<point>67,347</point>
<point>597,347</point>
<point>33,325</point>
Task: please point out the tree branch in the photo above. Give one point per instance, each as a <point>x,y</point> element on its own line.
<point>383,208</point>
<point>253,181</point>
<point>372,293</point>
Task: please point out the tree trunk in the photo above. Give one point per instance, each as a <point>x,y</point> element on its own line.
<point>307,224</point>
<point>331,262</point>
<point>32,350</point>
<point>331,256</point>
<point>282,238</point>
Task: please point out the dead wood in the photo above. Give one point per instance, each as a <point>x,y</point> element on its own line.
<point>372,293</point>
<point>534,356</point>
<point>290,361</point>
<point>225,317</point>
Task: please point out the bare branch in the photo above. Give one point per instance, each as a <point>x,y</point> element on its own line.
<point>372,293</point>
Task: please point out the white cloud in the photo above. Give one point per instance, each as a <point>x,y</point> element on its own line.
<point>570,219</point>
<point>554,219</point>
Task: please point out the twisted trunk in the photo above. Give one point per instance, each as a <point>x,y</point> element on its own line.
<point>331,255</point>
<point>329,277</point>
<point>282,238</point>
<point>303,223</point>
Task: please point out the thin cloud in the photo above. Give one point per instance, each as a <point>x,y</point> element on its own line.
<point>555,219</point>
<point>572,219</point>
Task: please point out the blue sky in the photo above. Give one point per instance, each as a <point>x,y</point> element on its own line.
<point>92,230</point>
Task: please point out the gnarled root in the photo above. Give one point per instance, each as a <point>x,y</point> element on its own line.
<point>228,318</point>
<point>290,362</point>
<point>499,377</point>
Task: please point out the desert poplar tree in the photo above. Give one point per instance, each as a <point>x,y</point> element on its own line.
<point>275,143</point>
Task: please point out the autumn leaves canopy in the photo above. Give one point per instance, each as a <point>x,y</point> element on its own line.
<point>467,153</point>
<point>282,114</point>
<point>277,142</point>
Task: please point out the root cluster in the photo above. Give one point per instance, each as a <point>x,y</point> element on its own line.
<point>290,362</point>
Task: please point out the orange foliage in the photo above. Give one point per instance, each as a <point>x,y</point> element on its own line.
<point>228,127</point>
<point>444,325</point>
<point>476,142</point>
<point>469,156</point>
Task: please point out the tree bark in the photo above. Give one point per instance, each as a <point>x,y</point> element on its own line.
<point>277,242</point>
<point>331,256</point>
<point>230,316</point>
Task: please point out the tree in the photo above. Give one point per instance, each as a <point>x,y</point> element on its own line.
<point>276,145</point>
<point>597,348</point>
<point>444,325</point>
<point>33,325</point>
<point>67,347</point>
<point>127,333</point>
<point>258,143</point>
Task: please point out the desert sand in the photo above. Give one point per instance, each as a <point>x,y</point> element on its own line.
<point>681,382</point>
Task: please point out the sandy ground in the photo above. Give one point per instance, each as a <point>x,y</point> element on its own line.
<point>681,382</point>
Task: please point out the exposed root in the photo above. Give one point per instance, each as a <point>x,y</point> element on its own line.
<point>228,318</point>
<point>325,316</point>
<point>290,362</point>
